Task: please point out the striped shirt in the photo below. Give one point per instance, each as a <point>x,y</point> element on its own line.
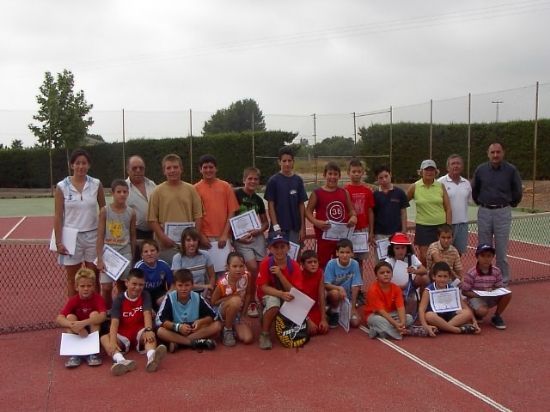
<point>449,256</point>
<point>474,279</point>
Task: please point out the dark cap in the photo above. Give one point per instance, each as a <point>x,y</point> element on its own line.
<point>276,237</point>
<point>484,247</point>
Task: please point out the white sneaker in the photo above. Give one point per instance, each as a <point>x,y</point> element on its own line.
<point>122,367</point>
<point>153,363</point>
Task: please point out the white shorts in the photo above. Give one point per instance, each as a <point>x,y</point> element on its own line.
<point>252,251</point>
<point>126,342</point>
<point>85,250</point>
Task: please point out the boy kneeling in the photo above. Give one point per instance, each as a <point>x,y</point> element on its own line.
<point>132,326</point>
<point>185,318</point>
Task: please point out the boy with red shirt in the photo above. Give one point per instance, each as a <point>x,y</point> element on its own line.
<point>83,313</point>
<point>313,285</point>
<point>132,326</point>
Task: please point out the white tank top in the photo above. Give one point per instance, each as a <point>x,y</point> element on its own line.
<point>81,209</point>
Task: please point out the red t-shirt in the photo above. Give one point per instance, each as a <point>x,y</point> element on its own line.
<point>130,314</point>
<point>83,307</point>
<point>362,200</point>
<point>266,277</point>
<point>378,299</point>
<point>310,286</point>
<point>331,206</point>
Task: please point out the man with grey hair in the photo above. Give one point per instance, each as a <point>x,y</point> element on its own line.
<point>496,188</point>
<point>459,191</point>
<point>140,189</point>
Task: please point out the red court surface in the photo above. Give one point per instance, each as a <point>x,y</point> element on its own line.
<point>35,227</point>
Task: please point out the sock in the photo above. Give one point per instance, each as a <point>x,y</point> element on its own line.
<point>150,354</point>
<point>117,357</point>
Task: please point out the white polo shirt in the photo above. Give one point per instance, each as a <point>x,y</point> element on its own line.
<point>459,196</point>
<point>139,203</point>
<point>80,209</point>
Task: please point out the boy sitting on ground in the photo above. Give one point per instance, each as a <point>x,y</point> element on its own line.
<point>185,318</point>
<point>83,313</point>
<point>132,326</point>
<point>486,277</point>
<point>313,285</point>
<point>444,251</point>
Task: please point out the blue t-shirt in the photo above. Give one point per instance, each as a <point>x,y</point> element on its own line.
<point>286,192</point>
<point>387,210</point>
<point>345,276</point>
<point>156,276</point>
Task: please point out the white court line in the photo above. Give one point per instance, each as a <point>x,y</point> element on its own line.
<point>442,374</point>
<point>537,262</point>
<point>14,227</point>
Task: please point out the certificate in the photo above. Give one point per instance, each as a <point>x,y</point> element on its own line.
<point>69,240</point>
<point>244,223</point>
<point>345,314</point>
<point>293,251</point>
<point>382,248</point>
<point>174,229</point>
<point>75,345</point>
<point>495,292</point>
<point>360,242</point>
<point>298,308</point>
<point>445,300</point>
<point>338,231</point>
<point>218,256</point>
<point>115,263</point>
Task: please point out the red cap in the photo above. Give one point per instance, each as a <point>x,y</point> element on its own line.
<point>400,239</point>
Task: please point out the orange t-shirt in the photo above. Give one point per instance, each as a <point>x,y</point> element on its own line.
<point>218,203</point>
<point>377,299</point>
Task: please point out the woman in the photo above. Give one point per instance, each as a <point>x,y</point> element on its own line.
<point>77,198</point>
<point>432,207</point>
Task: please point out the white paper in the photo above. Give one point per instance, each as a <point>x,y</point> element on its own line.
<point>445,300</point>
<point>75,345</point>
<point>400,274</point>
<point>242,224</point>
<point>174,229</point>
<point>69,235</point>
<point>495,292</point>
<point>360,242</point>
<point>218,256</point>
<point>345,314</point>
<point>115,263</point>
<point>382,248</point>
<point>297,309</point>
<point>338,231</point>
<point>293,250</point>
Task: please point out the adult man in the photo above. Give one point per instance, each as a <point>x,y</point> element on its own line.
<point>173,201</point>
<point>140,190</point>
<point>459,191</point>
<point>496,188</point>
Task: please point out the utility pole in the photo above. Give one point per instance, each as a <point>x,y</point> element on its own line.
<point>498,103</point>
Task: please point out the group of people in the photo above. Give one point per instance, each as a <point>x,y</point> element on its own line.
<point>172,293</point>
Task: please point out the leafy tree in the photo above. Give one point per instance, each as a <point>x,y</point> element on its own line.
<point>335,146</point>
<point>236,118</point>
<point>61,113</point>
<point>16,144</point>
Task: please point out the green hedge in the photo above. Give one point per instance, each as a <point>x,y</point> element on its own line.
<point>29,168</point>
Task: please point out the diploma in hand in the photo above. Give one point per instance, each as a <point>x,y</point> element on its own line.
<point>445,300</point>
<point>244,223</point>
<point>174,229</point>
<point>338,231</point>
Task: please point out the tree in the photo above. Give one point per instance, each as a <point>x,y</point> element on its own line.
<point>335,146</point>
<point>16,144</point>
<point>61,113</point>
<point>236,118</point>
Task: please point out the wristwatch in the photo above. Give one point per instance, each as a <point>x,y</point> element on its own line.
<point>148,329</point>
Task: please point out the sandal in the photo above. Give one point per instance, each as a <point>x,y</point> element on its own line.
<point>468,329</point>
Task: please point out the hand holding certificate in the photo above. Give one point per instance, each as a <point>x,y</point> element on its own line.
<point>338,231</point>
<point>115,263</point>
<point>244,224</point>
<point>174,229</point>
<point>494,292</point>
<point>382,248</point>
<point>445,300</point>
<point>360,242</point>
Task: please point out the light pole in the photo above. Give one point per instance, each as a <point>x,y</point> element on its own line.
<point>498,103</point>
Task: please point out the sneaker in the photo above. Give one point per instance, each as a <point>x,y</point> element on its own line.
<point>122,367</point>
<point>208,344</point>
<point>498,322</point>
<point>265,341</point>
<point>417,331</point>
<point>73,362</point>
<point>253,310</point>
<point>229,337</point>
<point>154,362</point>
<point>94,360</point>
<point>332,319</point>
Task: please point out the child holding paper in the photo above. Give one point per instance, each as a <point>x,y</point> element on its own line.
<point>83,313</point>
<point>444,251</point>
<point>343,281</point>
<point>484,276</point>
<point>232,296</point>
<point>314,286</point>
<point>404,262</point>
<point>330,204</point>
<point>117,229</point>
<point>460,321</point>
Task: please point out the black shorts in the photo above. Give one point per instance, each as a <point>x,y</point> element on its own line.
<point>425,235</point>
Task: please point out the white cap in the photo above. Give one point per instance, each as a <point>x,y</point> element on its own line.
<point>427,163</point>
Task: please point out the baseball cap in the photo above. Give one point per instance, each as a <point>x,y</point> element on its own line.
<point>484,247</point>
<point>276,237</point>
<point>427,163</point>
<point>400,239</point>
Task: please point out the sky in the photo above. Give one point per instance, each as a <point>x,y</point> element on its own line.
<point>160,60</point>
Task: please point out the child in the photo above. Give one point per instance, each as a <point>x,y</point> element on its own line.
<point>218,202</point>
<point>116,228</point>
<point>158,275</point>
<point>285,194</point>
<point>278,274</point>
<point>330,203</point>
<point>132,326</point>
<point>362,200</point>
<point>485,276</point>
<point>400,249</point>
<point>83,313</point>
<point>252,246</point>
<point>198,262</point>
<point>444,251</point>
<point>343,280</point>
<point>385,309</point>
<point>232,296</point>
<point>460,321</point>
<point>185,318</point>
<point>314,286</point>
